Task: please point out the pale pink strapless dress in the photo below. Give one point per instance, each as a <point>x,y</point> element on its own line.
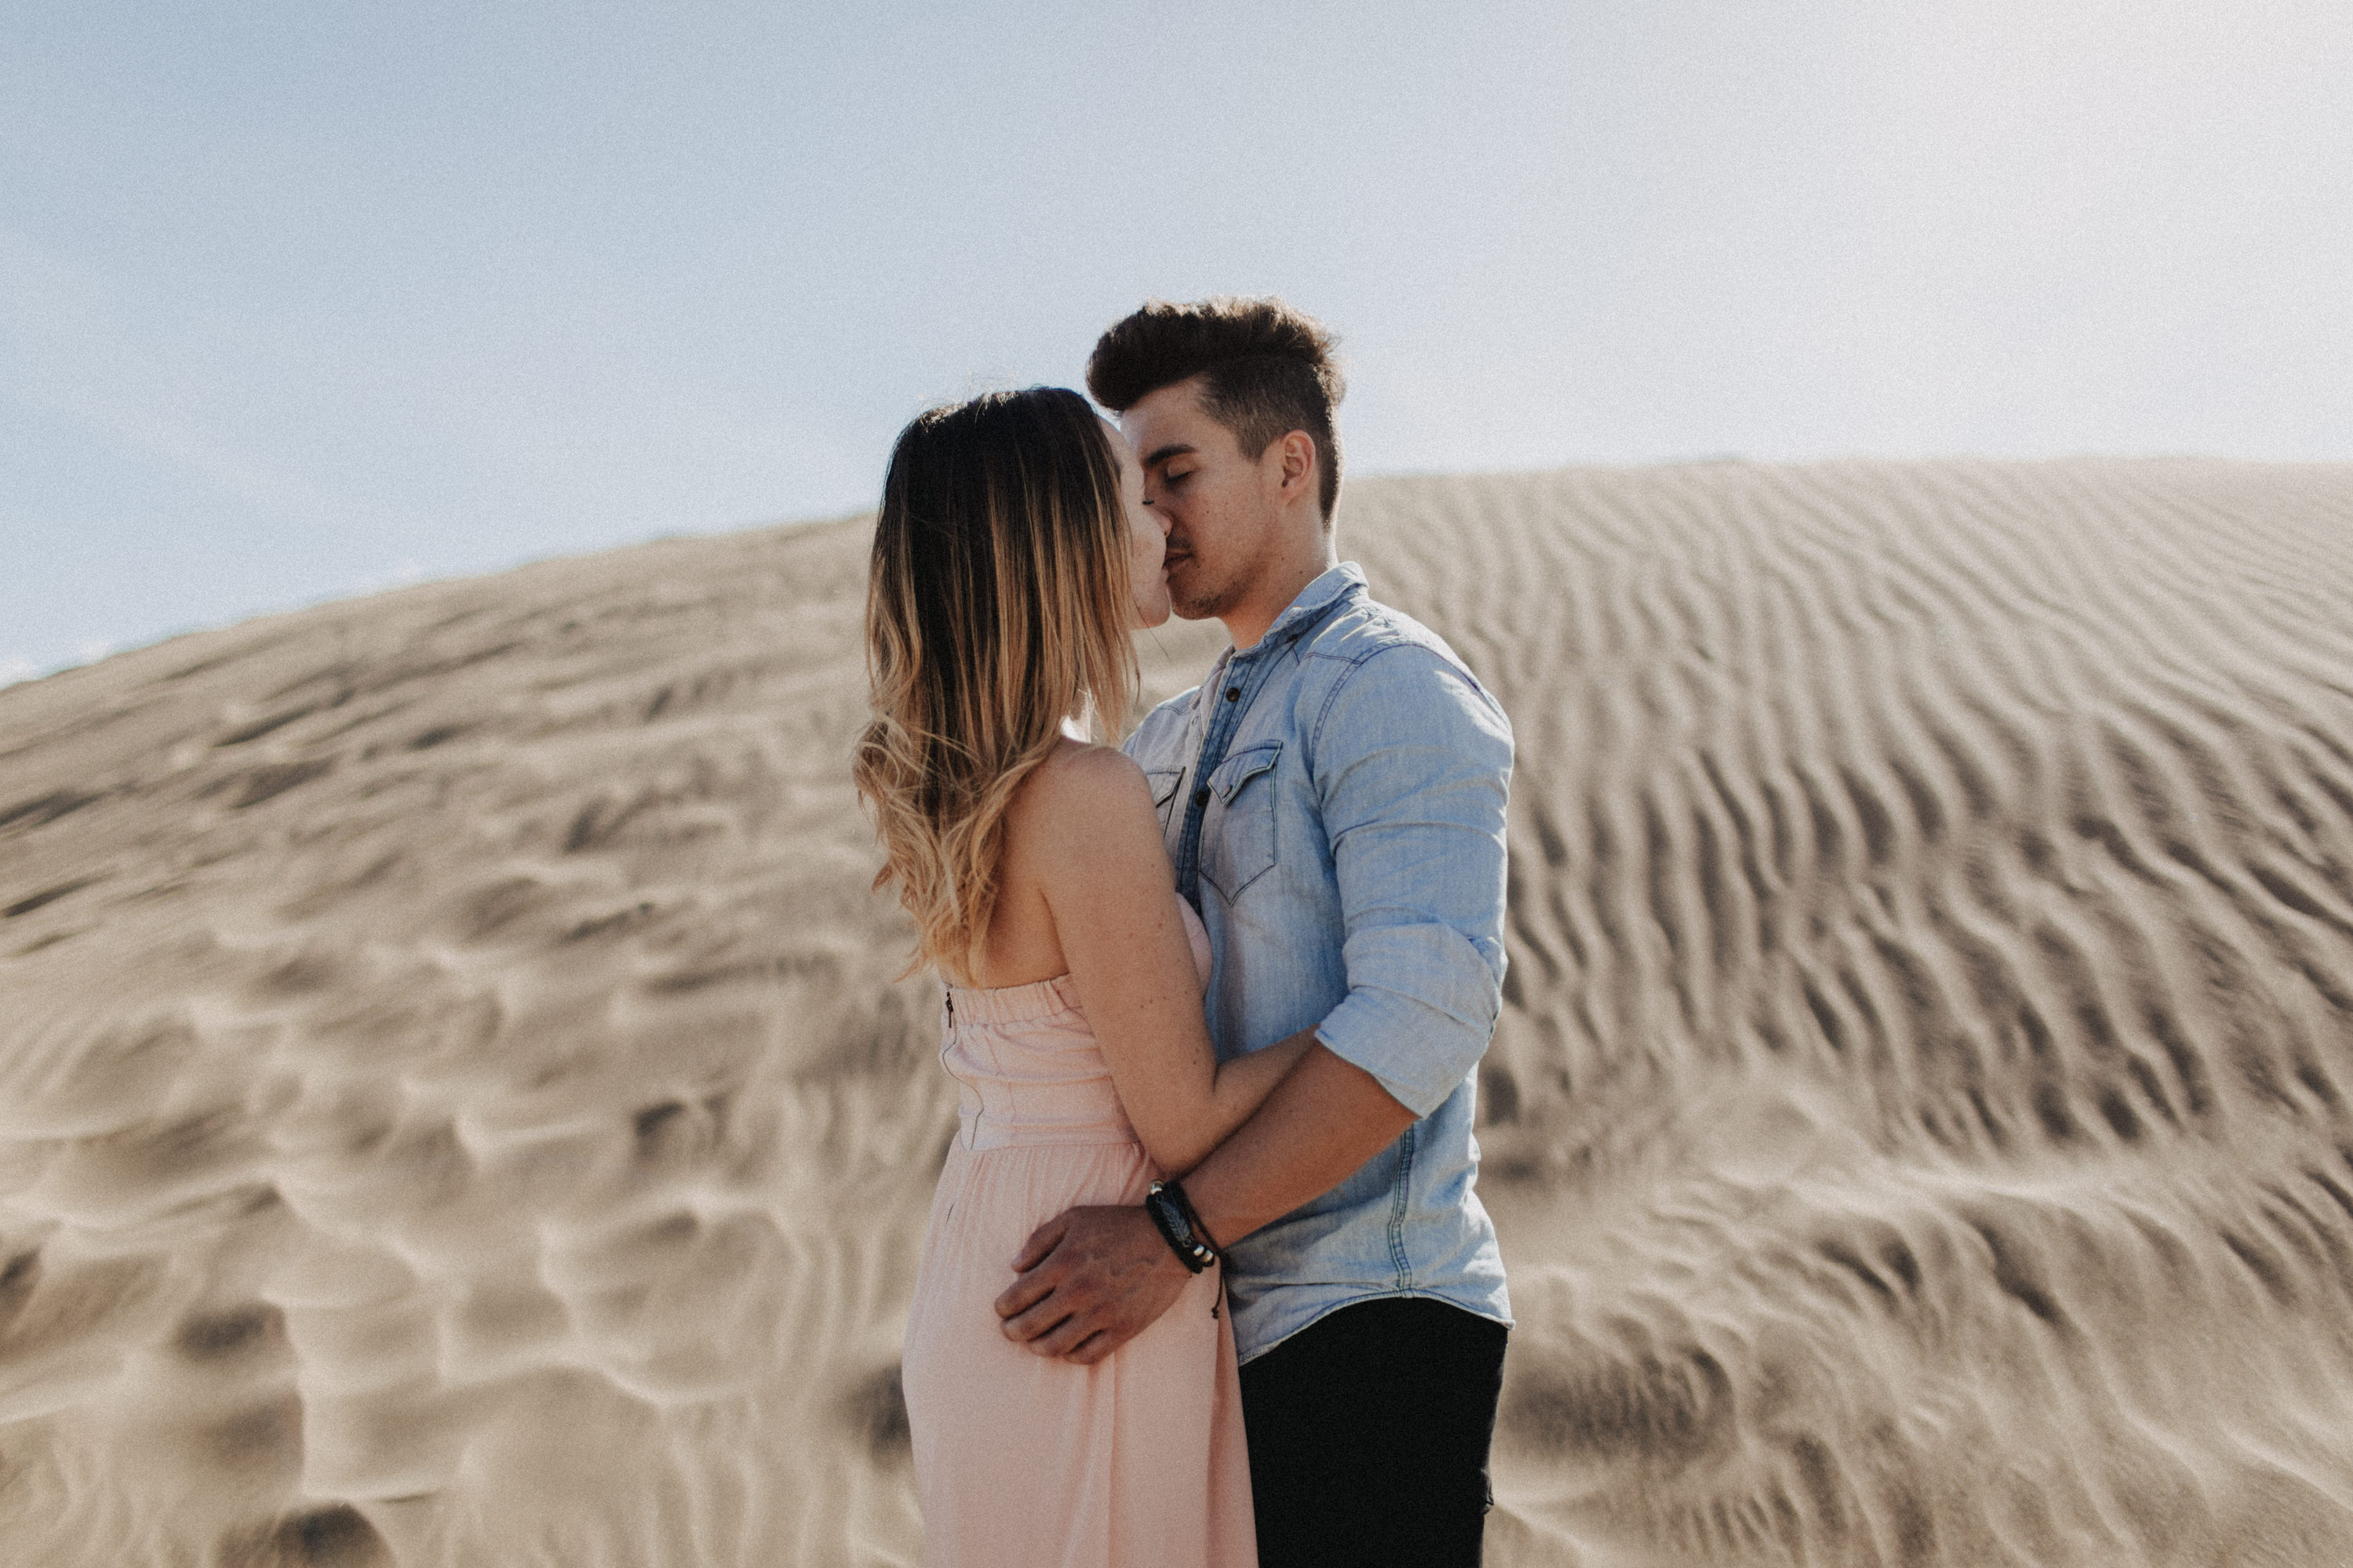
<point>1021,1462</point>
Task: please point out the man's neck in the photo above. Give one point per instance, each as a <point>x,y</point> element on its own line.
<point>1250,620</point>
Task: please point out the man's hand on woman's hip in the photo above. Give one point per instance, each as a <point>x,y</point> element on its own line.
<point>1090,1279</point>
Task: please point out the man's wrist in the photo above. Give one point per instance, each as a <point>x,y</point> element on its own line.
<point>1172,1215</point>
<point>1212,1210</point>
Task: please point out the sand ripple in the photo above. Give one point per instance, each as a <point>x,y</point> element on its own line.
<point>456,1105</point>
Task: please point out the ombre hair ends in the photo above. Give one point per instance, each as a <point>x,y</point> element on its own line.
<point>997,605</point>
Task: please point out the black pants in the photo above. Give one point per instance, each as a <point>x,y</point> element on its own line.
<point>1368,1435</point>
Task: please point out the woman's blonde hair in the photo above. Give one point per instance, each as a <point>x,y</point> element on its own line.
<point>998,604</point>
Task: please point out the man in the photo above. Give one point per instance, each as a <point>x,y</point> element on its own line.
<point>1333,799</point>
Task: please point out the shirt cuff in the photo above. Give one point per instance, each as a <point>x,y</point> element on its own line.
<point>1420,1008</point>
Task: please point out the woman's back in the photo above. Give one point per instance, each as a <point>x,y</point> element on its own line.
<point>1021,945</point>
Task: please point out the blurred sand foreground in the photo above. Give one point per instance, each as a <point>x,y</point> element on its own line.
<point>455,1107</point>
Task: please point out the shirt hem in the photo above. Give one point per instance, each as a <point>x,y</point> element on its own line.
<point>1502,1319</point>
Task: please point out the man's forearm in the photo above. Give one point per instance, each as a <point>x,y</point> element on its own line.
<point>1321,1122</point>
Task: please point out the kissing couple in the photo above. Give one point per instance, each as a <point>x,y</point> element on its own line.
<point>1206,1279</point>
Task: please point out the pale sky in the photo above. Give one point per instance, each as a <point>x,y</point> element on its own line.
<point>301,300</point>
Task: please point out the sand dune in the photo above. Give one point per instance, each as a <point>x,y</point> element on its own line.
<point>456,1106</point>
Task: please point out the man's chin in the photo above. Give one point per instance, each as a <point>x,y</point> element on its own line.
<point>1196,607</point>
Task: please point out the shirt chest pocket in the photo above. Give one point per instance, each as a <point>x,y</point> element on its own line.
<point>1164,783</point>
<point>1238,833</point>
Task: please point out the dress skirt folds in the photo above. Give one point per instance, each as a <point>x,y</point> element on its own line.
<point>1137,1461</point>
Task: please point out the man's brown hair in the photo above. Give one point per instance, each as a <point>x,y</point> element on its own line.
<point>1266,370</point>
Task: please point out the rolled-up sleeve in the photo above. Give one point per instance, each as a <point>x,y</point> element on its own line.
<point>1412,764</point>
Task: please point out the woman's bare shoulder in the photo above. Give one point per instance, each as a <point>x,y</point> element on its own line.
<point>1083,775</point>
<point>1084,789</point>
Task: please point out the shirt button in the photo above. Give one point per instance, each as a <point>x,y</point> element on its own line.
<point>1201,797</point>
<point>1233,694</point>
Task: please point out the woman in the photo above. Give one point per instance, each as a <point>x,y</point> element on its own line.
<point>1012,556</point>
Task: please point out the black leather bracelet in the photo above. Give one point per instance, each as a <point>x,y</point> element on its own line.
<point>1179,1226</point>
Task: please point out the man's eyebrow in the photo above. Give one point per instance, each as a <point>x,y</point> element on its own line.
<point>1160,455</point>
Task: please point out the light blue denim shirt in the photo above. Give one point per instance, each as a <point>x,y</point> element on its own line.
<point>1333,798</point>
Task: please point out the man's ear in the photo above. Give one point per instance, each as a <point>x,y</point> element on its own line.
<point>1297,451</point>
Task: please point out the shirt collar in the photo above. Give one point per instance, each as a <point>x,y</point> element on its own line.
<point>1312,601</point>
<point>1315,598</point>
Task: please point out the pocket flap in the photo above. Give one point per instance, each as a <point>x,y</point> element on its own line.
<point>1163,782</point>
<point>1243,766</point>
